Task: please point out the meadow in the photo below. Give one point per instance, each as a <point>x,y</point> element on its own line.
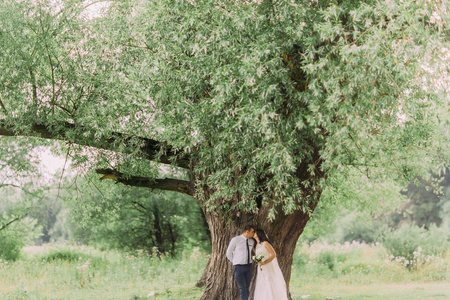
<point>320,271</point>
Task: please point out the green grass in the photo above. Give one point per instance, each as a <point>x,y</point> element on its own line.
<point>58,273</point>
<point>360,271</point>
<point>321,271</point>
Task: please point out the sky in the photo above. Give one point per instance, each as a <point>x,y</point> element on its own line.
<point>50,163</point>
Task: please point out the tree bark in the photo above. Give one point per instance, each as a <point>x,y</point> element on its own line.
<point>220,283</point>
<point>166,184</point>
<point>151,149</point>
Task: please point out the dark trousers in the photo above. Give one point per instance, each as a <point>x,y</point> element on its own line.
<point>243,275</point>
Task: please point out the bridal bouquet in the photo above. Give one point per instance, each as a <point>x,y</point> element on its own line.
<point>257,259</point>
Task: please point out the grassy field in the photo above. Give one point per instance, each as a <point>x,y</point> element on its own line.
<point>351,271</point>
<point>360,271</point>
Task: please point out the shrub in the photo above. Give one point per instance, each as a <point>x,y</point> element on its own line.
<point>327,258</point>
<point>410,244</point>
<point>65,255</point>
<point>71,256</point>
<point>10,247</point>
<point>330,258</point>
<point>300,261</point>
<point>15,236</point>
<point>354,227</point>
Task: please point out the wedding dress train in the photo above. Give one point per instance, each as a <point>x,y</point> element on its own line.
<point>270,284</point>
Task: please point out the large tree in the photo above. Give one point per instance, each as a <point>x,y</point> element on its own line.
<point>260,102</point>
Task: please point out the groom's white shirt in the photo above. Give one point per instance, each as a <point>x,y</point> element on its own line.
<point>236,252</point>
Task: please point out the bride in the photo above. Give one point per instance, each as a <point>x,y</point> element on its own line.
<point>270,284</point>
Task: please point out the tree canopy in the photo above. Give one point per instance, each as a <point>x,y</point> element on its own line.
<point>253,93</point>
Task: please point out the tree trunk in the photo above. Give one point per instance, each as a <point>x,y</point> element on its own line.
<point>220,283</point>
<point>283,234</point>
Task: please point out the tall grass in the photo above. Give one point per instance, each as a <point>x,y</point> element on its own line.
<point>357,270</point>
<point>347,271</point>
<point>78,272</point>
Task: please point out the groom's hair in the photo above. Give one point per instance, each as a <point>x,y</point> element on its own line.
<point>248,227</point>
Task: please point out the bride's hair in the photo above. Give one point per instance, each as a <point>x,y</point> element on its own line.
<point>262,236</point>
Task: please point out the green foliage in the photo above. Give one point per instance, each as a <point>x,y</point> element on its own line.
<point>15,236</point>
<point>18,294</point>
<point>118,217</point>
<point>64,227</point>
<point>445,210</point>
<point>360,228</point>
<point>70,255</point>
<point>287,86</point>
<point>117,275</point>
<point>360,209</point>
<point>113,216</point>
<point>28,212</point>
<point>427,198</point>
<point>348,206</point>
<point>124,276</point>
<point>18,159</point>
<point>410,243</point>
<point>319,264</point>
<point>267,99</point>
<point>404,243</point>
<point>330,259</point>
<point>361,232</point>
<point>28,192</point>
<point>10,247</point>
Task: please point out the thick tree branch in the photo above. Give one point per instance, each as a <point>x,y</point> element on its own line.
<point>12,221</point>
<point>2,105</point>
<point>116,141</point>
<point>166,184</point>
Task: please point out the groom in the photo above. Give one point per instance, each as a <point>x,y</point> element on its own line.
<point>239,253</point>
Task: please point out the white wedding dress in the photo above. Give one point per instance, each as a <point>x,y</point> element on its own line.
<point>270,284</point>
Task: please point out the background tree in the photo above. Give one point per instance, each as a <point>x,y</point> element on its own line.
<point>262,103</point>
<point>133,219</point>
<point>349,210</point>
<point>427,199</point>
<point>23,191</point>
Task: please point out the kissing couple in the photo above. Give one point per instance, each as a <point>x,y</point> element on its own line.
<point>270,284</point>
